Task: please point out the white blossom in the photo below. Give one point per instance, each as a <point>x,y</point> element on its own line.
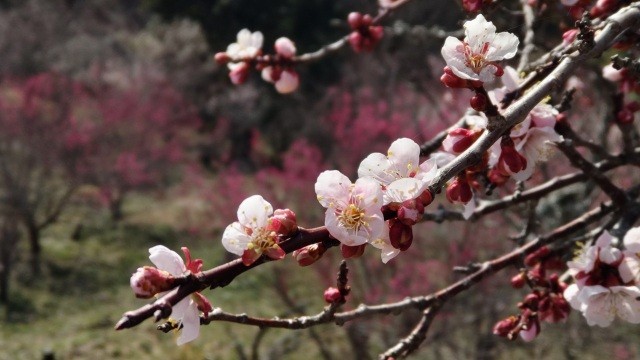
<point>353,215</point>
<point>399,172</point>
<point>476,56</point>
<point>247,46</point>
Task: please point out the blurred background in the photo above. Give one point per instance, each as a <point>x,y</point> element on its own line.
<point>119,132</point>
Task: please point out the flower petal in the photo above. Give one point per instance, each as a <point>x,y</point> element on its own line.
<point>190,324</point>
<point>168,260</point>
<point>503,46</point>
<point>331,187</point>
<point>254,211</point>
<point>235,239</point>
<point>632,240</point>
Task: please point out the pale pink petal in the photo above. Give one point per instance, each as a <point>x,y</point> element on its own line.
<point>376,166</point>
<point>627,304</point>
<point>404,154</point>
<point>285,47</point>
<point>288,82</point>
<point>369,195</point>
<point>612,74</point>
<point>404,189</point>
<point>332,188</point>
<point>510,78</point>
<point>632,240</point>
<point>453,55</point>
<point>629,268</point>
<point>387,252</point>
<point>190,324</point>
<point>478,32</point>
<point>571,295</point>
<point>235,239</point>
<point>503,46</point>
<point>267,74</point>
<point>167,260</point>
<point>599,305</point>
<point>254,211</point>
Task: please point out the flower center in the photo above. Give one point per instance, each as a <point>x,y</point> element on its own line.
<point>352,217</point>
<point>476,61</point>
<point>263,239</point>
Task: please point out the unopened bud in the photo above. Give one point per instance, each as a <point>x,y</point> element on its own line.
<point>355,20</point>
<point>458,140</point>
<point>239,73</point>
<point>222,58</point>
<point>472,5</point>
<point>400,234</point>
<point>519,280</point>
<point>536,256</point>
<point>332,295</point>
<point>478,102</point>
<point>285,47</point>
<point>148,281</point>
<point>506,327</point>
<point>453,81</point>
<point>283,222</point>
<point>202,303</point>
<point>309,254</point>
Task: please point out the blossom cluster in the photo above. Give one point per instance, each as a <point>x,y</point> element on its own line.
<point>607,280</point>
<point>277,69</point>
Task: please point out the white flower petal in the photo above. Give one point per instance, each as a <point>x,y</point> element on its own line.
<point>632,240</point>
<point>503,46</point>
<point>629,268</point>
<point>332,187</point>
<point>376,165</point>
<point>627,304</point>
<point>404,189</point>
<point>254,211</point>
<point>453,55</point>
<point>404,155</point>
<point>369,194</point>
<point>190,323</point>
<point>235,239</point>
<point>478,32</point>
<point>168,260</point>
<point>288,82</point>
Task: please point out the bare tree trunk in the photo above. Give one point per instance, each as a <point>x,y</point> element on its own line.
<point>8,241</point>
<point>35,247</point>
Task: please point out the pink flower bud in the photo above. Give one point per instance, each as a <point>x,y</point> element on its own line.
<point>510,160</point>
<point>352,251</point>
<point>506,327</point>
<point>449,79</point>
<point>222,58</point>
<point>283,222</point>
<point>332,295</point>
<point>625,116</point>
<point>536,256</point>
<point>519,281</point>
<point>285,47</point>
<point>426,197</point>
<point>400,234</point>
<point>478,101</point>
<point>499,70</point>
<point>355,20</point>
<point>458,140</point>
<point>459,190</point>
<point>355,40</point>
<point>309,254</point>
<point>472,5</point>
<point>239,73</point>
<point>148,281</point>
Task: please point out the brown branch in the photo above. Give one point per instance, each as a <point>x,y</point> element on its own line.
<point>615,193</point>
<point>411,343</point>
<point>535,192</point>
<point>421,302</point>
<point>222,275</point>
